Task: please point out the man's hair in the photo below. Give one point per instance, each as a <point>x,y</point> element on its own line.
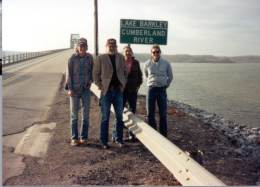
<point>128,47</point>
<point>156,47</point>
<point>111,41</point>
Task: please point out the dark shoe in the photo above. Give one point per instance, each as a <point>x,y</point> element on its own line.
<point>120,144</point>
<point>105,146</point>
<point>83,141</point>
<point>132,139</point>
<point>113,139</point>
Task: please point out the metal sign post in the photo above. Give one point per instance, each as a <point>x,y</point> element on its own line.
<point>96,27</point>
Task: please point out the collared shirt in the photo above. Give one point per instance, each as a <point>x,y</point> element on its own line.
<point>158,74</point>
<point>79,72</point>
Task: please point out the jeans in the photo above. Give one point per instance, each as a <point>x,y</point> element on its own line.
<point>114,97</point>
<point>159,95</point>
<point>74,109</point>
<point>131,98</point>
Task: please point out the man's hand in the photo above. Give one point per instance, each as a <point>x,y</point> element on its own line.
<point>89,84</point>
<point>70,93</point>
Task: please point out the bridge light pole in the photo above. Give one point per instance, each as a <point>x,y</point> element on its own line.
<point>96,27</point>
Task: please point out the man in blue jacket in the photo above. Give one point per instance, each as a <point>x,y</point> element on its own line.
<point>78,80</point>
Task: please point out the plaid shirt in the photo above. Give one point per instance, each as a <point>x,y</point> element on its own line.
<point>79,73</point>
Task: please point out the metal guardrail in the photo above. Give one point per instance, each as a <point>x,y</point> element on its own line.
<point>186,170</point>
<point>11,59</point>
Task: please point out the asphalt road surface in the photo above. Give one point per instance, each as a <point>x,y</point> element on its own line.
<point>29,89</point>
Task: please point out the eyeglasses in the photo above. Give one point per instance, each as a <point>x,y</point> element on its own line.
<point>157,51</point>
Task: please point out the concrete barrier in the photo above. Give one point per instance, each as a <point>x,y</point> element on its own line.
<point>16,58</point>
<point>186,170</point>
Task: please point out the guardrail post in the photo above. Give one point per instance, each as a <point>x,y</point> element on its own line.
<point>4,60</point>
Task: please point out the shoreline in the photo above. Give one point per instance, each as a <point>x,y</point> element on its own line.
<point>247,138</point>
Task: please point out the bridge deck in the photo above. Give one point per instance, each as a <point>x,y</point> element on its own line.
<point>133,164</point>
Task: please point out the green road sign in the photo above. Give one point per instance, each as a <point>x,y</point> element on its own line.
<point>143,31</point>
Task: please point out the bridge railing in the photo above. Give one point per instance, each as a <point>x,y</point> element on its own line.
<point>15,58</point>
<point>186,170</point>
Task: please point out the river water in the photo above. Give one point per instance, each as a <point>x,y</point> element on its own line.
<point>230,90</point>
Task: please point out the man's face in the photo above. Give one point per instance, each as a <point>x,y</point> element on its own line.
<point>128,53</point>
<point>112,48</point>
<point>82,48</point>
<point>155,53</point>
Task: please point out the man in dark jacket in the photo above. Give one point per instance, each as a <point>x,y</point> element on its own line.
<point>134,81</point>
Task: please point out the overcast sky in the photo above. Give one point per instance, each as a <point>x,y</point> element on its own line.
<point>217,27</point>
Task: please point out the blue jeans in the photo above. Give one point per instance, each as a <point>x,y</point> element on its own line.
<point>74,109</point>
<point>159,95</point>
<point>130,98</point>
<point>115,98</point>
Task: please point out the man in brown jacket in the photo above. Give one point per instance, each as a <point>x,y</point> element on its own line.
<point>110,74</point>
